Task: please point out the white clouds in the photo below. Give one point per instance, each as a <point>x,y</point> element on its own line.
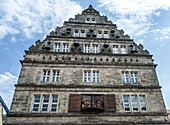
<point>7,81</point>
<point>29,17</point>
<point>135,16</point>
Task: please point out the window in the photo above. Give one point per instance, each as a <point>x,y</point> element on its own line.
<point>125,77</point>
<point>134,77</point>
<point>126,103</point>
<point>134,103</point>
<point>99,34</point>
<point>95,76</point>
<point>93,20</point>
<point>106,34</point>
<point>95,48</point>
<point>46,75</point>
<point>92,103</point>
<point>87,20</point>
<point>87,48</point>
<point>76,33</point>
<point>87,76</point>
<point>57,47</point>
<point>91,76</point>
<point>54,103</point>
<point>123,49</point>
<point>142,103</point>
<point>115,49</point>
<point>45,103</point>
<point>36,103</point>
<point>49,75</point>
<point>82,34</point>
<point>56,76</point>
<point>65,47</point>
<point>89,101</point>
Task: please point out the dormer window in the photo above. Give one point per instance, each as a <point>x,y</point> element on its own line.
<point>87,20</point>
<point>99,34</point>
<point>82,33</point>
<point>76,33</point>
<point>106,35</point>
<point>93,20</point>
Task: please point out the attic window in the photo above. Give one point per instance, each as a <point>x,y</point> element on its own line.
<point>106,34</point>
<point>88,20</point>
<point>76,33</point>
<point>82,33</point>
<point>93,20</point>
<point>99,34</point>
<point>76,30</point>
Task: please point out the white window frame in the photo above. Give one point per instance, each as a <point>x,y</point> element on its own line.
<point>95,75</point>
<point>106,34</point>
<point>46,75</point>
<point>95,48</point>
<point>86,48</point>
<point>123,49</point>
<point>99,34</point>
<point>55,75</point>
<point>87,76</point>
<point>93,21</point>
<point>57,47</point>
<point>45,103</point>
<point>36,103</point>
<point>87,20</point>
<point>115,49</point>
<point>125,77</point>
<point>54,103</point>
<point>91,76</point>
<point>76,34</point>
<point>135,104</point>
<point>127,104</point>
<point>142,103</point>
<point>82,33</point>
<point>65,47</point>
<point>134,77</point>
<point>41,102</point>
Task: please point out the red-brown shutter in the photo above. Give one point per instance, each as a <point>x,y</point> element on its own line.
<point>74,102</point>
<point>109,103</point>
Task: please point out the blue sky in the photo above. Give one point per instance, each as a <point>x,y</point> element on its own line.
<point>22,22</point>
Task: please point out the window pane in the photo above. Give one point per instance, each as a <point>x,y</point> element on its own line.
<point>125,77</point>
<point>35,107</point>
<point>37,98</point>
<point>134,77</point>
<point>126,103</point>
<point>134,103</point>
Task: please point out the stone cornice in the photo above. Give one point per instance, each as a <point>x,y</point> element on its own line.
<point>87,86</point>
<point>31,114</point>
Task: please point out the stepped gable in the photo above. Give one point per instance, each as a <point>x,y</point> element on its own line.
<point>91,29</point>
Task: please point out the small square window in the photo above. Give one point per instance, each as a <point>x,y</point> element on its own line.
<point>93,20</point>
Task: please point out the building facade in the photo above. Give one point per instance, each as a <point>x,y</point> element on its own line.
<point>87,72</point>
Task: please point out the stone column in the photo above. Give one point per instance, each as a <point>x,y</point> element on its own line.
<point>1,113</point>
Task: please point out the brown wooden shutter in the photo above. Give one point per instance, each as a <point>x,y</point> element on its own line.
<point>74,102</point>
<point>109,103</point>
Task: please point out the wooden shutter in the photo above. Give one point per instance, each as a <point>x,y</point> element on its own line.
<point>74,102</point>
<point>109,103</point>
